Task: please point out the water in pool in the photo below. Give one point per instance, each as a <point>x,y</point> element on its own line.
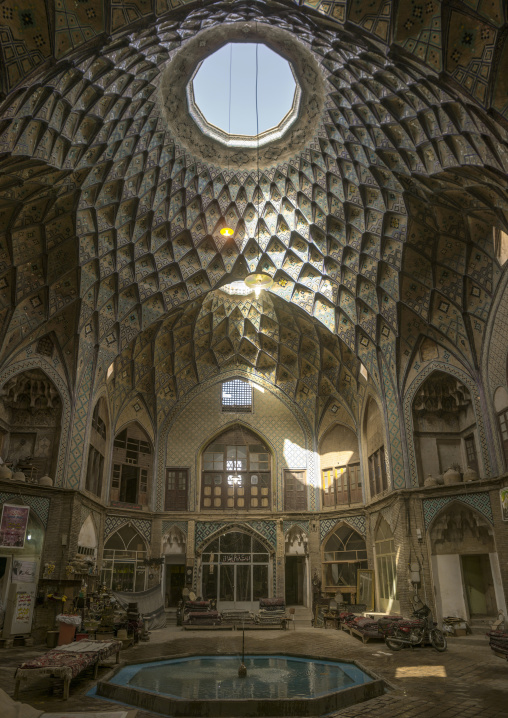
<point>209,677</point>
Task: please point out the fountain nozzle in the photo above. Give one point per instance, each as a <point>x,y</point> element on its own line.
<point>242,671</point>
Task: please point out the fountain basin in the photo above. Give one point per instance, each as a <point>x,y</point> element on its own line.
<point>276,685</point>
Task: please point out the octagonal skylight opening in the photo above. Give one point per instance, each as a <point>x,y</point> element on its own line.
<point>230,72</point>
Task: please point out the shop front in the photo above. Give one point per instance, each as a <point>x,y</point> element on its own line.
<point>235,571</point>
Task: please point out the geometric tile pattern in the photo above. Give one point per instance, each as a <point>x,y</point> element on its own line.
<point>393,426</point>
<point>143,526</point>
<point>81,409</point>
<point>408,414</point>
<point>38,504</point>
<point>166,525</point>
<point>187,428</point>
<point>465,51</point>
<point>41,363</point>
<point>206,529</point>
<point>287,525</point>
<point>356,522</point>
<point>479,501</point>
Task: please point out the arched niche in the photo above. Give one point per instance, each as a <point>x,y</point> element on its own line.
<point>30,423</point>
<point>373,441</point>
<point>174,542</point>
<point>339,460</point>
<point>465,564</point>
<point>87,538</point>
<point>295,541</point>
<point>444,426</point>
<point>501,408</point>
<point>132,467</point>
<point>236,472</point>
<point>236,568</point>
<point>123,567</point>
<point>479,433</point>
<point>97,448</point>
<point>343,552</point>
<point>386,568</point>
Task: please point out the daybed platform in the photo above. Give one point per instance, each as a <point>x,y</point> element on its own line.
<point>66,662</point>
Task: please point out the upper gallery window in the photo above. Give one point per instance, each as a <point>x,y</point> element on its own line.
<point>236,395</point>
<point>244,94</point>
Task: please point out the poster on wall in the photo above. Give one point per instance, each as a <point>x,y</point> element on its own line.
<point>23,571</point>
<point>13,525</point>
<point>503,494</point>
<point>23,610</point>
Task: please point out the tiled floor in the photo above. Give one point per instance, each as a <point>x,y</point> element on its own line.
<point>466,681</point>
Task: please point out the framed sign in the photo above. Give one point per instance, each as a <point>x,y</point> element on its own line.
<point>23,571</point>
<point>13,525</point>
<point>503,495</point>
<point>365,588</point>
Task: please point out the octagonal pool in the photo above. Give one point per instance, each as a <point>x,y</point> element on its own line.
<point>210,686</point>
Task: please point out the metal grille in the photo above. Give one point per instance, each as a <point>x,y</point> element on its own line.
<point>236,395</point>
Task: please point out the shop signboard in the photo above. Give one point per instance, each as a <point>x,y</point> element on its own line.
<point>13,525</point>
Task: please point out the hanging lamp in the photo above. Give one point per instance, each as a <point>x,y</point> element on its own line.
<point>258,280</point>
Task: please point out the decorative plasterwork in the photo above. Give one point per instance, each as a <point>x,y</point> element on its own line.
<point>479,501</point>
<point>196,136</point>
<point>39,362</point>
<point>408,414</point>
<point>358,523</point>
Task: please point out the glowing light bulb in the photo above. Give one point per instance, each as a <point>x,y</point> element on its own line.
<point>227,232</point>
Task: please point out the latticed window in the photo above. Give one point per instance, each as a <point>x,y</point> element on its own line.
<point>236,472</point>
<point>236,395</point>
<point>344,553</point>
<point>123,567</point>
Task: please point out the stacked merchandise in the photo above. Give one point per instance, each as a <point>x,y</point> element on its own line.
<point>364,627</point>
<point>199,613</point>
<point>238,617</point>
<point>498,642</point>
<point>272,611</point>
<point>345,618</point>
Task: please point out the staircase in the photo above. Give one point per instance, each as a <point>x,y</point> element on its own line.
<point>303,616</point>
<point>480,626</point>
<point>170,616</point>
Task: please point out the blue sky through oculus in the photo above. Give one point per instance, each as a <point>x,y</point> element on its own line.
<point>276,88</point>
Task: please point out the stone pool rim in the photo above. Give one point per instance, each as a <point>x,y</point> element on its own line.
<point>229,707</point>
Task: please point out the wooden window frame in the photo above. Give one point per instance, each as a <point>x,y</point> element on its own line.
<point>300,494</point>
<point>180,496</point>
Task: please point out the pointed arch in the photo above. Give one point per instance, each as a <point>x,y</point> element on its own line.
<point>63,390</point>
<point>409,396</point>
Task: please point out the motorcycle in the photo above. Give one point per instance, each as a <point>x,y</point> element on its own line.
<point>417,632</point>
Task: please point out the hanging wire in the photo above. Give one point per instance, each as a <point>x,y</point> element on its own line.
<point>230,82</point>
<point>227,231</point>
<point>257,139</point>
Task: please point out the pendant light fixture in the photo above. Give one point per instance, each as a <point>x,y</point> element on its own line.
<point>258,280</point>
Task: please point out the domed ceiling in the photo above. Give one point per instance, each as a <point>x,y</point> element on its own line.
<point>378,229</point>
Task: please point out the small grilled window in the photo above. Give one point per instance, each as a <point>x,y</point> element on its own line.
<point>236,395</point>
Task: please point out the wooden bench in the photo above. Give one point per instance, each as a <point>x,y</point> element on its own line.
<point>66,662</point>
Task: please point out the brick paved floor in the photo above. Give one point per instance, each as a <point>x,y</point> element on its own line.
<point>466,681</point>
